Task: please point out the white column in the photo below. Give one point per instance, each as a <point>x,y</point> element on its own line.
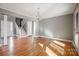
<point>29,28</point>
<point>5,29</point>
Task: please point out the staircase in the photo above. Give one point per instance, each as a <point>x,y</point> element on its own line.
<point>20,26</point>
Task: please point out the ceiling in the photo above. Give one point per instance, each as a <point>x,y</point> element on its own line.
<point>46,10</point>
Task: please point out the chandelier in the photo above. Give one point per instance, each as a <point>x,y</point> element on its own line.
<point>37,14</point>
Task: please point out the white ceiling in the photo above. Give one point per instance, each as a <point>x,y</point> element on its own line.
<point>46,10</point>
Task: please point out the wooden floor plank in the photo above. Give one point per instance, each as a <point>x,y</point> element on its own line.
<point>25,46</point>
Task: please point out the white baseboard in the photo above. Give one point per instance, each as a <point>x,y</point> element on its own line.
<point>54,38</point>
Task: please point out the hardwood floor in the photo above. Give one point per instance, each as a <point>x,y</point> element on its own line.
<point>26,46</point>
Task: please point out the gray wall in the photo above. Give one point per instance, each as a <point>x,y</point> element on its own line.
<point>57,27</point>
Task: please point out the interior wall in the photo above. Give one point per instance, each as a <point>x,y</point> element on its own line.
<point>57,27</point>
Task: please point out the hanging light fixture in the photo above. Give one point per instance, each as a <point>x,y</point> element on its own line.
<point>35,23</point>
<point>38,14</point>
